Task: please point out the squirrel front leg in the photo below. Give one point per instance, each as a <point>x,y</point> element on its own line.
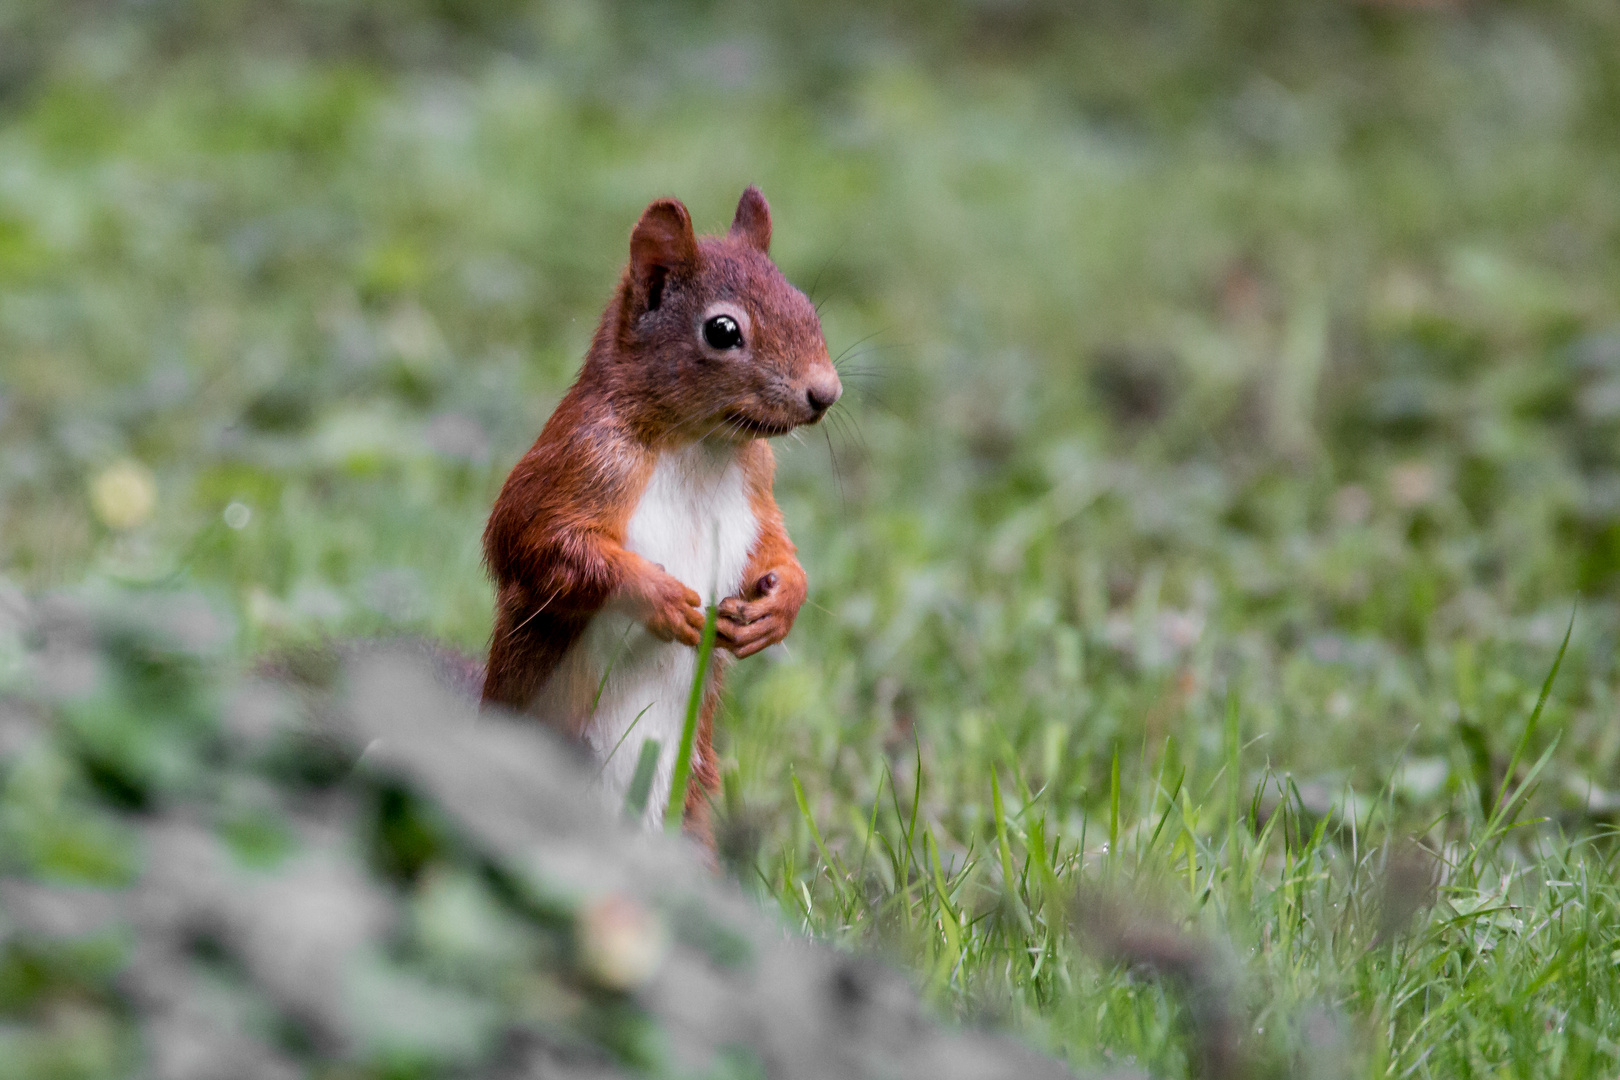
<point>563,581</point>
<point>659,601</point>
<point>588,570</point>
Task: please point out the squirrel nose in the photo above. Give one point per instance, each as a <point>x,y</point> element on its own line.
<point>822,394</point>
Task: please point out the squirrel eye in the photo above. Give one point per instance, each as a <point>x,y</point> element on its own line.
<point>722,332</point>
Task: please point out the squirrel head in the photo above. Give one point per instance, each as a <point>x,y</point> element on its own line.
<point>710,340</point>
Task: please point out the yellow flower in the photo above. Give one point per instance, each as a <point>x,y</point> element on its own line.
<point>124,494</point>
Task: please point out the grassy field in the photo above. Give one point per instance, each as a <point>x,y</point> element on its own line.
<point>1233,432</point>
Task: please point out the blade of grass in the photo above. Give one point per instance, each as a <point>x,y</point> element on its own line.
<point>1113,808</point>
<point>1502,822</point>
<point>1189,832</point>
<point>635,799</point>
<point>1004,850</point>
<point>1170,804</point>
<point>948,919</point>
<point>608,670</point>
<point>815,834</point>
<point>916,802</point>
<point>871,826</point>
<point>902,862</point>
<point>601,768</point>
<point>1257,854</point>
<point>1234,755</point>
<point>916,792</point>
<point>675,812</point>
<point>1535,717</point>
<point>1044,873</point>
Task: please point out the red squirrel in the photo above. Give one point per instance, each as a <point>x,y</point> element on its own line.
<point>648,495</point>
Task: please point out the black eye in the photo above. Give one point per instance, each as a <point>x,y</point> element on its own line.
<point>722,332</point>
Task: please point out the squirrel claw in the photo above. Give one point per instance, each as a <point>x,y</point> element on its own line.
<point>746,639</point>
<point>757,616</point>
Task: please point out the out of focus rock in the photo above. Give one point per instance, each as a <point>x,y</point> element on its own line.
<point>335,863</point>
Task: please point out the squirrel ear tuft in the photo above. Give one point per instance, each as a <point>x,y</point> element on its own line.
<point>753,220</point>
<point>662,241</point>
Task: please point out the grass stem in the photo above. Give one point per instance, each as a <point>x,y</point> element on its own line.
<point>674,813</point>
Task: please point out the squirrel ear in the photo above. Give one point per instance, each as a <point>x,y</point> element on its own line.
<point>753,220</point>
<point>662,241</point>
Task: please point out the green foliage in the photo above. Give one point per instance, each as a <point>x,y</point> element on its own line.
<point>675,811</point>
<point>1232,426</point>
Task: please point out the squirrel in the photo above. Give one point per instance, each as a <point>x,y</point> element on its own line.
<point>649,494</point>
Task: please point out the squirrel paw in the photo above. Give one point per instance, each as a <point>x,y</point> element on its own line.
<point>745,627</point>
<point>672,612</point>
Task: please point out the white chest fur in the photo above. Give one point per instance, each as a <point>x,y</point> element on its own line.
<point>693,519</point>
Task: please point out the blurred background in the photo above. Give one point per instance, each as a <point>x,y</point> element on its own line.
<point>1263,351</point>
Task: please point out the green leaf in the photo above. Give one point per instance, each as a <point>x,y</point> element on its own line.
<point>676,811</point>
<point>635,799</point>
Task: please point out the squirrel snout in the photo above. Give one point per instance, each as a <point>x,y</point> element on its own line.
<point>823,393</point>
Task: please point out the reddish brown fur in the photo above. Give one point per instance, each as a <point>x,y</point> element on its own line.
<point>555,539</point>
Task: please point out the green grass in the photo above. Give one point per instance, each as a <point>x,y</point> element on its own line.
<point>1234,423</point>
